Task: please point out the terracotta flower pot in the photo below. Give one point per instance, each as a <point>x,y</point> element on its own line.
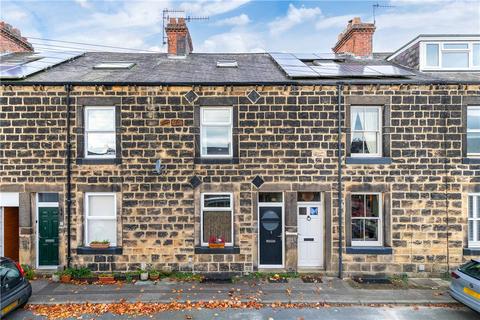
<point>154,277</point>
<point>216,245</point>
<point>97,245</point>
<point>106,279</point>
<point>65,278</point>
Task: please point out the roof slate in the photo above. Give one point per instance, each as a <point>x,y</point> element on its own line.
<point>201,68</point>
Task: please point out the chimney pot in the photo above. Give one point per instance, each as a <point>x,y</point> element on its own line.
<point>11,40</point>
<point>179,40</point>
<point>356,39</point>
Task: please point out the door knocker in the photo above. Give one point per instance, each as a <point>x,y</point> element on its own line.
<point>309,218</point>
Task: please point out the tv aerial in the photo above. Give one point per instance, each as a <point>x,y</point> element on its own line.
<point>377,6</point>
<point>169,13</point>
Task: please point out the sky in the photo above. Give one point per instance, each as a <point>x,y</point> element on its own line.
<point>234,25</point>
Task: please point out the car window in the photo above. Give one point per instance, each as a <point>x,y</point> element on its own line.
<point>472,269</point>
<point>9,275</point>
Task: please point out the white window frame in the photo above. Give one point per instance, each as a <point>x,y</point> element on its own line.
<point>203,208</point>
<point>441,49</point>
<point>89,218</point>
<point>475,210</point>
<point>379,133</point>
<point>471,154</point>
<point>379,242</point>
<point>87,132</point>
<point>204,123</point>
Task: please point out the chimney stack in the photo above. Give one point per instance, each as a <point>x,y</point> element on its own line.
<point>11,40</point>
<point>356,39</point>
<point>179,40</point>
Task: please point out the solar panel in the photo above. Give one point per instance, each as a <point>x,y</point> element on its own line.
<point>292,66</point>
<point>306,56</point>
<point>332,65</point>
<point>23,66</point>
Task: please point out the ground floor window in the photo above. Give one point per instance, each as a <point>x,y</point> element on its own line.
<point>217,218</point>
<point>100,218</point>
<point>366,219</point>
<point>474,220</point>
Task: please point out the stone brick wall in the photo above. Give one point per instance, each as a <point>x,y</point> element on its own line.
<point>288,137</point>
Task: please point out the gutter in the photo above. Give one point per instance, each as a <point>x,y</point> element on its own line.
<point>339,182</point>
<point>259,83</point>
<point>68,163</point>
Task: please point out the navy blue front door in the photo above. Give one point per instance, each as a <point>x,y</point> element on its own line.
<point>271,229</point>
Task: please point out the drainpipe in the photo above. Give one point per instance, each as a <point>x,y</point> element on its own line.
<point>68,89</point>
<point>445,116</point>
<point>339,187</point>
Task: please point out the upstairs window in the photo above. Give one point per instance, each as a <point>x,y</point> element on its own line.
<point>451,56</point>
<point>366,131</point>
<point>216,132</point>
<point>474,220</point>
<point>473,131</point>
<point>100,137</point>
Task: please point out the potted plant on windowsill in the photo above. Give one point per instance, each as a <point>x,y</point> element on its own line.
<point>95,244</point>
<point>216,242</point>
<point>106,278</point>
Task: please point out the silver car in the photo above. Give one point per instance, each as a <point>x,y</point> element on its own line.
<point>465,285</point>
<point>15,288</point>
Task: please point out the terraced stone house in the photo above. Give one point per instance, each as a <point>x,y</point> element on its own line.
<point>351,162</point>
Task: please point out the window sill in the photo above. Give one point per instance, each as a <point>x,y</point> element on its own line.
<point>216,160</point>
<point>99,161</point>
<point>88,250</point>
<point>368,160</point>
<point>471,251</point>
<point>369,250</point>
<point>471,160</point>
<point>226,250</point>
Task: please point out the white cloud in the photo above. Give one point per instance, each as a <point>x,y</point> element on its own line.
<point>339,22</point>
<point>396,28</point>
<point>83,3</point>
<point>240,20</point>
<point>211,7</point>
<point>294,17</point>
<point>233,42</point>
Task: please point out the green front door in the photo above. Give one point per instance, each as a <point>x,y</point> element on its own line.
<point>48,236</point>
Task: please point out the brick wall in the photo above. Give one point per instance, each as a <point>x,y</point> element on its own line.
<point>288,137</point>
<point>12,41</point>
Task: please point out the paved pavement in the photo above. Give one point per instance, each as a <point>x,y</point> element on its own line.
<point>331,291</point>
<point>343,313</point>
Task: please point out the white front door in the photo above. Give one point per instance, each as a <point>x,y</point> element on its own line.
<point>310,234</point>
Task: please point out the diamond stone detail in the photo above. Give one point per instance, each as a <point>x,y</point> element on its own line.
<point>257,181</point>
<point>191,96</point>
<point>195,181</point>
<point>253,96</point>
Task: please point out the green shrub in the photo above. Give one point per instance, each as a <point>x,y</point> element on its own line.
<point>82,272</point>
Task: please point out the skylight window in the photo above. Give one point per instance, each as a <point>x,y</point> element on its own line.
<point>227,64</point>
<point>450,55</point>
<point>114,65</point>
